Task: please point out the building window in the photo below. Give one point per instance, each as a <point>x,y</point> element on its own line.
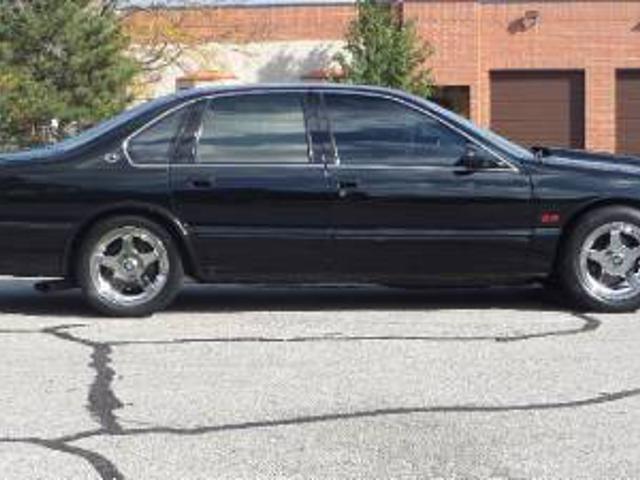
<point>456,98</point>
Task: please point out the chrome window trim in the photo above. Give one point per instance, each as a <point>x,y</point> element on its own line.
<point>509,165</point>
<point>418,167</point>
<point>248,165</point>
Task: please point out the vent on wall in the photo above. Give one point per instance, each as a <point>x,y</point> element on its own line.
<point>530,19</point>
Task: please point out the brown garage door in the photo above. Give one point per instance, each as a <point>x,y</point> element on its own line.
<point>539,107</point>
<point>628,111</point>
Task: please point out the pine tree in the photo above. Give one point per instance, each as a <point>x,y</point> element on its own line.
<point>383,50</point>
<point>59,59</point>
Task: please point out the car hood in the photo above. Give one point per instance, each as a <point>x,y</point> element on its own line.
<point>593,161</point>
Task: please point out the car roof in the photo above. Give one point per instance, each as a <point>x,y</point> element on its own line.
<point>262,87</point>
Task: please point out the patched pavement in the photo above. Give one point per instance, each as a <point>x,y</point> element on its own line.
<point>318,382</point>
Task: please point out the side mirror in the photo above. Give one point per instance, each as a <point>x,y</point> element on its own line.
<point>472,159</point>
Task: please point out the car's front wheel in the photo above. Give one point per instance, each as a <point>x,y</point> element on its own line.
<point>600,264</point>
<point>129,266</point>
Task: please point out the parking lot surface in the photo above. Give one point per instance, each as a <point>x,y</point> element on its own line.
<point>318,382</point>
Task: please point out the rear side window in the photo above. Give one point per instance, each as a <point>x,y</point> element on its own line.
<point>154,144</point>
<point>254,128</point>
<point>377,131</point>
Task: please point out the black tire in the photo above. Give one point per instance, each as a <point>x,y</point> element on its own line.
<point>568,272</point>
<point>161,299</point>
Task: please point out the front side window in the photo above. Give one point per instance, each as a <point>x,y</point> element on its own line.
<point>371,130</point>
<point>254,128</point>
<point>154,144</point>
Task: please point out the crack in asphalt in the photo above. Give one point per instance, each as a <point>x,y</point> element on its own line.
<point>604,397</point>
<point>11,331</point>
<point>104,467</point>
<point>590,324</point>
<point>108,471</point>
<point>103,402</point>
<point>101,464</point>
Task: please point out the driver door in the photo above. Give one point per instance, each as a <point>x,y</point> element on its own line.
<point>406,208</point>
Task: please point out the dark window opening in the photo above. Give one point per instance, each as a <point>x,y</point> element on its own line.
<point>456,98</point>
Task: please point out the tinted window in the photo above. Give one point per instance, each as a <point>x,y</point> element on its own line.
<point>254,129</point>
<point>155,143</point>
<point>371,130</point>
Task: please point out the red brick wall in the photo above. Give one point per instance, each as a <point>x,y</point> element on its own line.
<point>242,24</point>
<point>473,38</point>
<point>452,29</point>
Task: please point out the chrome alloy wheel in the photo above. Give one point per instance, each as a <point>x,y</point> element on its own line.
<point>610,261</point>
<point>129,266</point>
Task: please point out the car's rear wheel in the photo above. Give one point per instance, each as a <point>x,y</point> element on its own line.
<point>129,266</point>
<point>600,264</point>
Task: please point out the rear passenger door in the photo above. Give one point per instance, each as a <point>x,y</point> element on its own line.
<point>406,208</point>
<point>251,189</point>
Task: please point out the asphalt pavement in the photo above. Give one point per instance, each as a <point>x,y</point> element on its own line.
<point>318,383</point>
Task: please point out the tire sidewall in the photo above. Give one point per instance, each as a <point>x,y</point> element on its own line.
<point>158,302</point>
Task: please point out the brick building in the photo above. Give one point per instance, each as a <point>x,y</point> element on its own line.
<point>563,72</point>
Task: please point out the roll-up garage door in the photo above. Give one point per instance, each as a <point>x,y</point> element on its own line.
<point>628,111</point>
<point>539,107</point>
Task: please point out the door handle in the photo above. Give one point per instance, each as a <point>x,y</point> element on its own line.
<point>200,183</point>
<point>345,187</point>
<point>348,184</point>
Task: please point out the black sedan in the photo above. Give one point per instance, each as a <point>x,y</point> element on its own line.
<point>314,183</point>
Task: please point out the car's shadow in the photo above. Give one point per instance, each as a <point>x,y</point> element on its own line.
<point>19,297</point>
<point>351,297</point>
